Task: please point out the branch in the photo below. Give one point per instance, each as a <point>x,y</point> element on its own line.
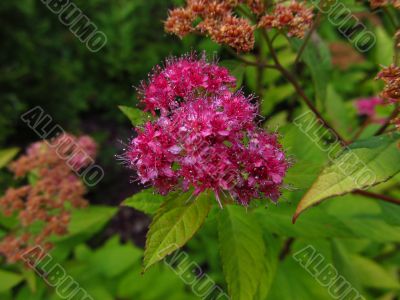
<point>298,88</point>
<point>389,120</point>
<point>286,248</point>
<point>308,37</point>
<point>249,62</point>
<point>361,129</point>
<point>377,196</point>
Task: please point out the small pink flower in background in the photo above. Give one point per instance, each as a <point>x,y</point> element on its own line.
<point>206,137</point>
<point>367,106</point>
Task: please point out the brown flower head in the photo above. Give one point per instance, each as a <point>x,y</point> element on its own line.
<point>391,76</point>
<point>295,17</point>
<point>233,31</point>
<point>380,3</point>
<point>216,20</point>
<point>53,188</point>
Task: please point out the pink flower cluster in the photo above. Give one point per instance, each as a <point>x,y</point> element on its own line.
<point>205,137</point>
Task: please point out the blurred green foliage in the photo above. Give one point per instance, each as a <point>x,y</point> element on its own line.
<point>43,63</point>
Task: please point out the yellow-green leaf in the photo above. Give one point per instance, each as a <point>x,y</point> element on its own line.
<point>6,155</point>
<point>242,252</point>
<point>135,115</point>
<point>176,221</point>
<point>361,165</point>
<point>8,280</point>
<point>146,201</point>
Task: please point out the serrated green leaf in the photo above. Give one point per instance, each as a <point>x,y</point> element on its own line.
<point>176,221</point>
<point>9,280</point>
<point>146,201</point>
<point>135,115</point>
<point>242,251</point>
<point>363,164</point>
<point>6,155</point>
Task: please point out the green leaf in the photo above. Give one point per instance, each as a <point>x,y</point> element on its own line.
<point>114,258</point>
<point>237,70</point>
<point>141,286</point>
<point>372,274</point>
<point>242,251</point>
<point>363,164</point>
<point>6,155</point>
<point>135,115</point>
<point>316,224</point>
<point>146,201</point>
<point>270,264</point>
<point>274,95</point>
<point>317,57</point>
<point>339,115</point>
<point>176,221</point>
<point>384,50</point>
<point>344,265</point>
<point>363,218</point>
<point>88,220</point>
<point>293,282</point>
<point>30,278</point>
<point>9,280</point>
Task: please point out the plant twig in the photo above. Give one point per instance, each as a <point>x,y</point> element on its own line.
<point>361,129</point>
<point>389,120</point>
<point>308,37</point>
<point>249,62</point>
<point>286,248</point>
<point>298,88</point>
<point>377,196</point>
